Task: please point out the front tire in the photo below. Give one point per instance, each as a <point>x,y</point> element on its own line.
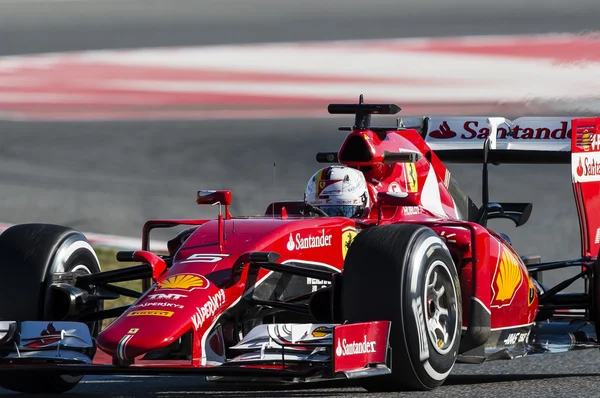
<point>30,256</point>
<point>404,273</point>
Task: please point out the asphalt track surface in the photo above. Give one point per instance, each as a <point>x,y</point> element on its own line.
<point>109,177</point>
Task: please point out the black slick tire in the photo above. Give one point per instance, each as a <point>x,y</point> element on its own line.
<point>391,273</point>
<point>30,255</point>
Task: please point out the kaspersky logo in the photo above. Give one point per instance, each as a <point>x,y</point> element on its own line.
<point>345,349</point>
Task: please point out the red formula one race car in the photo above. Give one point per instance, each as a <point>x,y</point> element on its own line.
<point>384,271</point>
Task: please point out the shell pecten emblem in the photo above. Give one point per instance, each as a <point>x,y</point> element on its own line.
<point>184,282</point>
<point>585,140</point>
<point>320,332</point>
<point>507,280</point>
<point>531,294</point>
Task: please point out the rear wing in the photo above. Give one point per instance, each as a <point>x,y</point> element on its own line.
<point>523,140</point>
<point>496,140</point>
<point>547,140</point>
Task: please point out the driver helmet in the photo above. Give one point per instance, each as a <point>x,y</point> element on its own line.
<point>338,191</point>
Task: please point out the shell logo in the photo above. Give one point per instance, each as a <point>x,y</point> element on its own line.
<point>184,282</point>
<point>507,280</point>
<point>321,331</point>
<point>531,293</point>
<point>585,140</point>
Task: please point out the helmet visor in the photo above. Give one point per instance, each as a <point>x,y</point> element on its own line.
<point>347,211</point>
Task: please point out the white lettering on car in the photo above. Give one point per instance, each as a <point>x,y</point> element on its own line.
<point>515,338</point>
<point>417,307</point>
<point>344,349</point>
<point>205,258</point>
<point>592,140</point>
<point>166,296</point>
<point>317,283</point>
<point>208,309</point>
<point>586,167</point>
<point>313,281</point>
<point>308,242</point>
<point>411,210</point>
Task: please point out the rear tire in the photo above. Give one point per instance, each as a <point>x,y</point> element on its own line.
<point>30,254</point>
<point>404,273</point>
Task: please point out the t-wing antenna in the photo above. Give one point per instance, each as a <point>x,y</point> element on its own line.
<point>363,111</point>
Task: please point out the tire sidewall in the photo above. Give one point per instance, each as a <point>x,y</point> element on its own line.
<point>431,367</point>
<point>74,250</point>
<point>74,254</point>
<point>47,250</point>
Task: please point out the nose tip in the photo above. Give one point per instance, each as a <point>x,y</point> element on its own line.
<point>134,343</point>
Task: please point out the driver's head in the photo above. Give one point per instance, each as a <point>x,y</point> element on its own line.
<point>338,191</point>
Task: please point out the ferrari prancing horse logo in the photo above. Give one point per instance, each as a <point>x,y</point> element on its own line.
<point>347,239</point>
<point>324,184</point>
<point>411,177</point>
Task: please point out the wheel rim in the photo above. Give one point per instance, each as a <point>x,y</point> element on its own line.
<point>441,314</point>
<point>81,270</point>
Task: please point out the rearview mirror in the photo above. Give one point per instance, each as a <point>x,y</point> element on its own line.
<point>210,197</point>
<point>397,199</point>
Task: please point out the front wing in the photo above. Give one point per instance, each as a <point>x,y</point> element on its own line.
<point>285,352</point>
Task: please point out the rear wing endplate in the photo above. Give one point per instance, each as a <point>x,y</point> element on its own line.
<point>585,174</point>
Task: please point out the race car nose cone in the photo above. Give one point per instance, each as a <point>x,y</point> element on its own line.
<point>132,343</point>
<point>183,303</point>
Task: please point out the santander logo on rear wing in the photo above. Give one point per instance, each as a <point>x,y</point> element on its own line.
<point>530,140</point>
<point>525,133</point>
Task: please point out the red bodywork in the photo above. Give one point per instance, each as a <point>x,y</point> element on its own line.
<point>585,165</point>
<point>209,275</point>
<point>212,280</point>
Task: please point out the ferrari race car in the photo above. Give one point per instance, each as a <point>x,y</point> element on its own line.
<point>394,298</point>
